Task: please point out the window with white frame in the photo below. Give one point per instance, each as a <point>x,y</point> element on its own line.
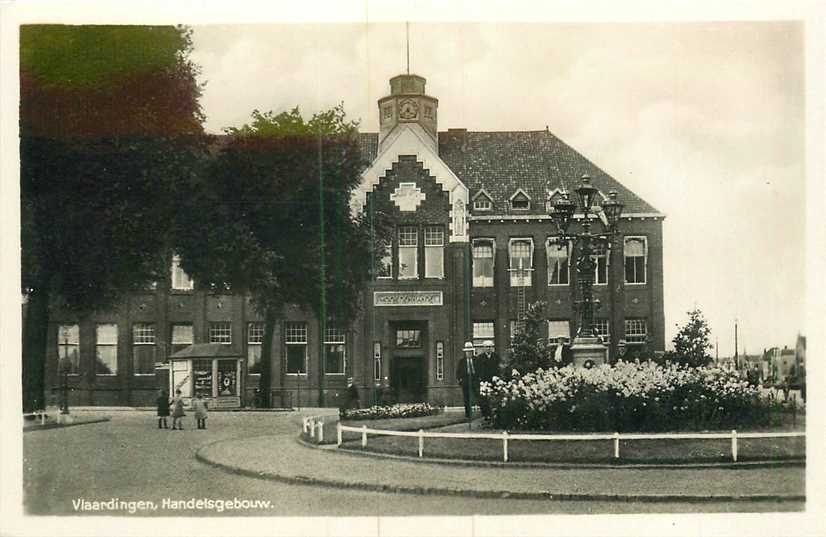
<point>143,349</point>
<point>440,360</point>
<point>482,202</point>
<point>335,353</point>
<point>376,361</point>
<point>520,201</point>
<point>483,262</point>
<point>636,331</point>
<point>636,259</point>
<point>255,342</point>
<point>181,337</point>
<point>295,338</point>
<point>68,348</point>
<point>482,331</point>
<point>220,332</point>
<point>600,259</point>
<point>434,252</point>
<point>601,328</point>
<point>521,262</point>
<point>559,264</point>
<point>106,349</point>
<point>558,331</point>
<point>180,279</point>
<point>408,252</point>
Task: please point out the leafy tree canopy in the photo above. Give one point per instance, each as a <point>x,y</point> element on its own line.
<point>529,350</point>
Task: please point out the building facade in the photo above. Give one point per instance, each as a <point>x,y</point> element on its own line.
<point>472,246</point>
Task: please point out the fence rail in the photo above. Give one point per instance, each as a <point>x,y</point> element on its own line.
<point>313,424</point>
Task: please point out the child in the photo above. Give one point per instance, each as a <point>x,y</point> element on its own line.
<point>163,409</point>
<point>177,411</point>
<point>200,408</point>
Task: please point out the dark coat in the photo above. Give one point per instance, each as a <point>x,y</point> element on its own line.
<point>163,405</point>
<point>488,366</point>
<point>462,371</point>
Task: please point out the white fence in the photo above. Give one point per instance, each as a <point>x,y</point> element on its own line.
<point>505,437</point>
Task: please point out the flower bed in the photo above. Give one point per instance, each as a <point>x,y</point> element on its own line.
<point>400,410</point>
<point>627,397</point>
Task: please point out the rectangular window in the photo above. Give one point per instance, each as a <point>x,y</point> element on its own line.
<point>482,204</point>
<point>636,259</point>
<point>558,262</point>
<point>68,348</point>
<point>106,349</point>
<point>202,377</point>
<point>335,355</point>
<point>516,327</point>
<point>521,262</point>
<point>601,328</point>
<point>384,261</point>
<point>408,252</point>
<point>295,337</point>
<point>377,361</point>
<point>181,337</point>
<point>434,252</point>
<point>143,349</point>
<point>483,331</point>
<point>408,339</point>
<point>255,342</point>
<point>180,279</point>
<point>440,360</point>
<point>558,331</point>
<point>636,331</point>
<point>600,259</point>
<point>220,332</point>
<point>483,260</point>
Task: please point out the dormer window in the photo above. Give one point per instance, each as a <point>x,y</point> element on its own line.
<point>482,201</point>
<point>520,201</point>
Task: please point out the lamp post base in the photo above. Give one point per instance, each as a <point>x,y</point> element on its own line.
<point>588,351</point>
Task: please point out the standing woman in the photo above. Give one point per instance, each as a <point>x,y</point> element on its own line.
<point>177,411</point>
<point>163,409</point>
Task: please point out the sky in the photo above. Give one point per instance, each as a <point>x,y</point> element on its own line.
<point>704,120</point>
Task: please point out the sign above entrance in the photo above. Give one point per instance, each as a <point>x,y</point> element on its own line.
<point>407,298</point>
<point>408,197</point>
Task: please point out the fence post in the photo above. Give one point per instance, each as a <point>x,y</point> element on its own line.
<point>338,433</point>
<point>616,445</point>
<point>304,425</point>
<point>734,445</point>
<point>43,418</point>
<point>421,443</point>
<point>320,431</point>
<point>311,426</point>
<point>505,446</point>
<point>364,436</point>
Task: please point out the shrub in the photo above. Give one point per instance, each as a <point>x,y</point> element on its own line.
<point>625,397</point>
<point>401,410</point>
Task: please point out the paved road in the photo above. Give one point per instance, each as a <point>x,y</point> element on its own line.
<point>130,459</point>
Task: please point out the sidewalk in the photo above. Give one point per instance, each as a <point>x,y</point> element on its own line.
<point>283,458</point>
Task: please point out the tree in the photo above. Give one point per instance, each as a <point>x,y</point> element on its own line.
<point>529,350</point>
<point>692,341</point>
<point>110,127</point>
<point>272,219</point>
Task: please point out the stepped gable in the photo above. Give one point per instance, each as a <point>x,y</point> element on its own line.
<point>502,162</point>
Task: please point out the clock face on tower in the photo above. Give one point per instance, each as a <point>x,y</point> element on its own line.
<point>408,109</point>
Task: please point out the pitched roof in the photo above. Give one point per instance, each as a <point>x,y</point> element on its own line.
<point>503,162</point>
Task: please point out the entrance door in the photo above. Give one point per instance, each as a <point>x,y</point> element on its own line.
<point>407,378</point>
<point>408,369</point>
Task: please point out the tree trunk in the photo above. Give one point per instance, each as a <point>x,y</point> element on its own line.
<point>265,382</point>
<point>35,331</point>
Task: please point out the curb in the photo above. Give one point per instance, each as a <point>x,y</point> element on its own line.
<point>62,425</point>
<point>568,465</point>
<point>500,494</point>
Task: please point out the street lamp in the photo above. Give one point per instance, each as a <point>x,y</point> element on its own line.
<point>586,345</point>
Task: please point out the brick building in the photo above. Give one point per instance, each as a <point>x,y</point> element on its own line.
<point>473,244</point>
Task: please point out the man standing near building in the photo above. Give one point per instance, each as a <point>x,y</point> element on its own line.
<point>468,378</point>
<point>488,368</point>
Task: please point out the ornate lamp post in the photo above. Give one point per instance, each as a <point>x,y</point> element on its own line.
<point>586,345</point>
